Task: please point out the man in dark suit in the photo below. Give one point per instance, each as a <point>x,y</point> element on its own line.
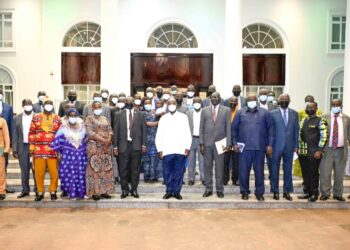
<point>39,106</point>
<point>236,91</point>
<point>214,126</point>
<point>130,136</point>
<point>286,133</point>
<point>72,98</point>
<point>6,112</point>
<point>206,102</point>
<point>20,145</point>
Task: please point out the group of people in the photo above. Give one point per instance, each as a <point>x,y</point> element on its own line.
<point>93,147</point>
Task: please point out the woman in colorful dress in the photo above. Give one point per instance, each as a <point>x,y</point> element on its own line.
<point>70,142</point>
<point>99,173</point>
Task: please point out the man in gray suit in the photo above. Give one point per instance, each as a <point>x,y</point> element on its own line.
<point>215,125</point>
<point>20,144</point>
<point>89,111</point>
<point>206,101</point>
<point>335,152</point>
<point>263,101</point>
<point>194,118</point>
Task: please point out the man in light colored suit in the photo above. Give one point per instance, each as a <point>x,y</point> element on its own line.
<point>194,118</point>
<point>335,152</point>
<point>236,91</point>
<point>286,133</point>
<point>215,125</point>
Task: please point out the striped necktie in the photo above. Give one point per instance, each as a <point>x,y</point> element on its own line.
<point>335,132</point>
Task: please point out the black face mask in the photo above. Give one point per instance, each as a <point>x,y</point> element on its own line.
<point>236,92</point>
<point>129,106</point>
<point>284,104</point>
<point>159,94</point>
<point>310,111</point>
<point>72,98</point>
<point>179,101</point>
<point>210,93</point>
<point>215,102</point>
<point>232,105</point>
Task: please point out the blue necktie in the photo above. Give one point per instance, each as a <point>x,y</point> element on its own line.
<point>285,117</point>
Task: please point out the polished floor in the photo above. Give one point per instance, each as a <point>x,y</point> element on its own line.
<point>24,228</point>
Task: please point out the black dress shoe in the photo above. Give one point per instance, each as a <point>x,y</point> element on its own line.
<point>324,197</point>
<point>287,196</point>
<point>207,193</point>
<point>106,196</point>
<point>220,194</point>
<point>225,183</point>
<point>2,197</point>
<point>245,197</point>
<point>339,198</point>
<point>190,183</point>
<point>64,194</point>
<point>116,180</point>
<point>276,196</point>
<point>203,183</point>
<point>304,197</point>
<point>22,194</point>
<point>39,197</point>
<point>313,198</point>
<point>10,190</point>
<point>134,194</point>
<point>178,196</point>
<point>96,197</point>
<point>235,183</point>
<point>259,197</point>
<point>124,195</point>
<point>167,196</point>
<point>53,196</point>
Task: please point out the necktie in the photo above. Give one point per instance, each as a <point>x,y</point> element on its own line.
<point>130,122</point>
<point>285,117</point>
<point>335,133</point>
<point>213,113</point>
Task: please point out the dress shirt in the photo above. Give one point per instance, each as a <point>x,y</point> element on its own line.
<point>127,121</point>
<point>196,122</point>
<point>340,131</point>
<point>26,121</point>
<point>173,134</point>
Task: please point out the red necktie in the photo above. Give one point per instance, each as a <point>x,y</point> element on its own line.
<point>213,114</point>
<point>335,133</point>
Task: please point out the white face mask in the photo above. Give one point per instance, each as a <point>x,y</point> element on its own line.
<point>190,94</point>
<point>160,110</point>
<point>166,96</point>
<point>98,99</point>
<point>263,98</point>
<point>121,105</point>
<point>41,98</point>
<point>148,107</point>
<point>251,104</point>
<point>270,98</point>
<point>104,95</point>
<point>149,94</point>
<point>28,108</point>
<point>115,100</point>
<point>197,106</point>
<point>72,120</point>
<point>98,112</point>
<point>48,107</point>
<point>173,92</point>
<point>137,102</point>
<point>172,107</point>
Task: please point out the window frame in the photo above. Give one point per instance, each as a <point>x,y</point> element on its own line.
<point>13,48</point>
<point>332,14</point>
<point>4,85</point>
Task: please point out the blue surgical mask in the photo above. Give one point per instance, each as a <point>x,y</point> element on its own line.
<point>263,98</point>
<point>148,107</point>
<point>251,104</point>
<point>336,110</point>
<point>270,98</point>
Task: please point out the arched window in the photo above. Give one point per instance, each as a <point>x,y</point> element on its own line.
<point>337,86</point>
<point>6,84</point>
<point>86,34</point>
<point>261,36</point>
<point>172,35</point>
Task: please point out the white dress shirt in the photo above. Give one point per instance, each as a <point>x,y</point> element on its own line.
<point>340,131</point>
<point>26,121</point>
<point>127,121</point>
<point>173,134</point>
<point>264,106</point>
<point>196,122</point>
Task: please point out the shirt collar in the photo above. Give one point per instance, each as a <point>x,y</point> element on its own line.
<point>31,114</point>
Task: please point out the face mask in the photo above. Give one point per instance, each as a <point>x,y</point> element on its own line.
<point>115,100</point>
<point>251,104</point>
<point>104,95</point>
<point>190,94</point>
<point>98,99</point>
<point>210,93</point>
<point>160,110</point>
<point>149,94</point>
<point>97,112</point>
<point>172,107</point>
<point>121,105</point>
<point>236,92</point>
<point>137,102</point>
<point>48,107</point>
<point>336,110</point>
<point>72,120</point>
<point>310,112</point>
<point>215,102</point>
<point>232,105</point>
<point>166,96</point>
<point>28,108</point>
<point>179,101</point>
<point>72,98</point>
<point>197,106</point>
<point>129,106</point>
<point>41,98</point>
<point>284,104</point>
<point>148,107</point>
<point>270,98</point>
<point>159,94</point>
<point>173,92</point>
<point>263,98</point>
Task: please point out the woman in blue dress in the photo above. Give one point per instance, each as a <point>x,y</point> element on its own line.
<point>70,142</point>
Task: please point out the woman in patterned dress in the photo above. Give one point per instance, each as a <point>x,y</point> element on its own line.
<point>99,173</point>
<point>70,142</point>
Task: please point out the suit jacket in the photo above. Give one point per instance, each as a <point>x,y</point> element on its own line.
<point>78,105</point>
<point>190,119</point>
<point>7,114</point>
<point>138,131</point>
<point>87,110</point>
<point>346,131</point>
<point>270,106</point>
<point>241,100</point>
<point>37,108</point>
<point>17,136</point>
<point>210,131</point>
<point>286,138</point>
